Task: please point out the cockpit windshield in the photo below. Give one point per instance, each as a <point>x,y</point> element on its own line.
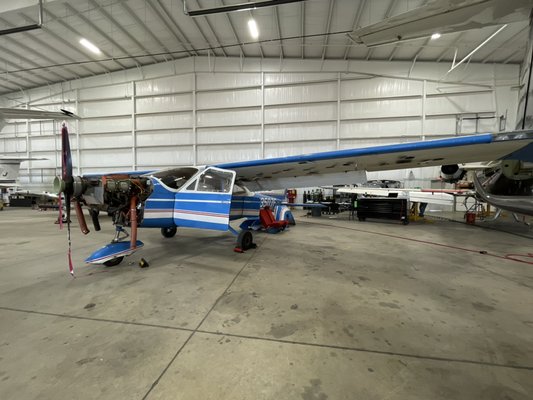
<point>176,178</point>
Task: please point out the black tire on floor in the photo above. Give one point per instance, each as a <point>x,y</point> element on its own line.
<point>245,240</point>
<point>405,221</point>
<point>169,232</point>
<point>113,262</point>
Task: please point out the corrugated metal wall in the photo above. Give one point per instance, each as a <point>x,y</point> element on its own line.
<point>206,110</point>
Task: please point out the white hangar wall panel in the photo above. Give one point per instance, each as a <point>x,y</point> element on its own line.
<point>211,110</point>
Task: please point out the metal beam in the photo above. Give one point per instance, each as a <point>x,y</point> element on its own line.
<point>14,56</point>
<point>355,23</point>
<point>504,44</point>
<point>236,7</point>
<point>388,13</point>
<point>110,18</point>
<point>143,25</point>
<point>161,19</point>
<point>469,55</point>
<point>216,37</point>
<point>202,33</point>
<point>260,45</point>
<point>450,46</point>
<point>176,27</point>
<point>71,29</point>
<point>20,74</point>
<point>508,59</point>
<point>276,14</point>
<point>30,27</point>
<point>328,25</point>
<point>234,31</point>
<point>41,43</point>
<point>65,43</point>
<point>303,29</point>
<point>398,44</point>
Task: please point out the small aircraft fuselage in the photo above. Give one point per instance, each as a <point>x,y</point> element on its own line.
<point>192,197</point>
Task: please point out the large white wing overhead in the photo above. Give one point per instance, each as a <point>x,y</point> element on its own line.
<point>20,113</point>
<point>283,172</point>
<point>443,16</point>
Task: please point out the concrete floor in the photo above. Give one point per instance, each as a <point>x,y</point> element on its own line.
<point>331,309</point>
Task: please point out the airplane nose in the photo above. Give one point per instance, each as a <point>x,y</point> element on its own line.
<point>59,185</point>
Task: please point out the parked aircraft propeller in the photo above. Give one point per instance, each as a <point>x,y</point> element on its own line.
<point>118,192</point>
<point>69,186</point>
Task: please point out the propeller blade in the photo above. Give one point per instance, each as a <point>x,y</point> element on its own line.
<point>70,265</point>
<point>66,186</point>
<point>60,217</point>
<point>66,156</point>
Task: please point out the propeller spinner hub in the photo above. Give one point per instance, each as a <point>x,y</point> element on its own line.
<point>59,185</point>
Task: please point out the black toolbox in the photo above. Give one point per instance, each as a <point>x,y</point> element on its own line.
<point>384,208</point>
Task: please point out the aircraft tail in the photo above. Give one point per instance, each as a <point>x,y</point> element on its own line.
<point>524,119</point>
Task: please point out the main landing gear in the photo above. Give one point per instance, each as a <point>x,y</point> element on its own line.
<point>245,241</point>
<point>169,232</point>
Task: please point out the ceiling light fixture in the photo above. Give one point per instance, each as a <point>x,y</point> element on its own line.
<point>436,35</point>
<point>253,28</point>
<point>88,45</point>
<point>236,7</point>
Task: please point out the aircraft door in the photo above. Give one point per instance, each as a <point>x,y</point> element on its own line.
<point>205,202</point>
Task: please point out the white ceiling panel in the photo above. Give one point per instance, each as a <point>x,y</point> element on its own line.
<point>133,33</point>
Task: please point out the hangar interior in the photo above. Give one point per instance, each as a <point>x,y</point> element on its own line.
<point>331,308</point>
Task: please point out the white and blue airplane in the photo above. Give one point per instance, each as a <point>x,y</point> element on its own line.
<point>210,197</point>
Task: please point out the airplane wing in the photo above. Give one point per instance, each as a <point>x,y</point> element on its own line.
<point>346,166</point>
<point>442,17</point>
<point>433,196</point>
<point>19,113</point>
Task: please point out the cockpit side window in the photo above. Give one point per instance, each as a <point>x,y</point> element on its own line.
<point>215,181</point>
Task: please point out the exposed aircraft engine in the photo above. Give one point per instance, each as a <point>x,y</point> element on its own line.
<point>452,173</point>
<point>114,193</point>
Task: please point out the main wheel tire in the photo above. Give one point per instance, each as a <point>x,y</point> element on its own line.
<point>245,240</point>
<point>113,262</point>
<point>169,232</point>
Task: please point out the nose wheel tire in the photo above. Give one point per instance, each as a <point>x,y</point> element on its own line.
<point>113,262</point>
<point>169,232</point>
